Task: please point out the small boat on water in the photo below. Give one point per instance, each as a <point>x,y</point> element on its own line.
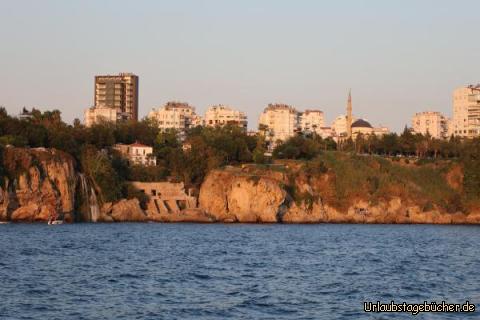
<point>54,220</point>
<point>50,222</point>
<point>4,222</point>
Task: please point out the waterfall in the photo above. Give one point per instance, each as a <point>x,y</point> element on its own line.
<point>93,205</point>
<point>93,211</point>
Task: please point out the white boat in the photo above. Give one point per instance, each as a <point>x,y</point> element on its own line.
<point>54,220</point>
<point>4,222</point>
<point>51,222</point>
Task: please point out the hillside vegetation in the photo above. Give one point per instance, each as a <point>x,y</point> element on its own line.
<point>443,173</point>
<point>342,178</point>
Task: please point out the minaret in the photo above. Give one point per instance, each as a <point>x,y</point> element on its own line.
<point>349,115</point>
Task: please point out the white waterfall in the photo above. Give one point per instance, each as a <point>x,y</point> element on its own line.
<point>93,204</point>
<point>91,198</point>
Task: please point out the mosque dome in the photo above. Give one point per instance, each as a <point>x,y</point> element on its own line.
<point>360,123</point>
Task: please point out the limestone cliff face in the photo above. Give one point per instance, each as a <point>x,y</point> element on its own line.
<point>228,197</point>
<point>234,196</point>
<point>38,183</point>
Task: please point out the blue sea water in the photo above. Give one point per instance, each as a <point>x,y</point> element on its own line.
<point>202,271</point>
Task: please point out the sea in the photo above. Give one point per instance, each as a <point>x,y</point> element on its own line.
<point>234,271</point>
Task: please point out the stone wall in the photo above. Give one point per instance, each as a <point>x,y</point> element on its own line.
<point>166,197</point>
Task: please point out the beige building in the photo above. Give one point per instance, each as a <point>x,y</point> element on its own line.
<point>326,132</point>
<point>279,121</point>
<point>381,130</point>
<point>466,111</point>
<point>175,115</point>
<point>312,121</point>
<point>340,127</point>
<point>221,115</point>
<point>359,126</point>
<point>95,115</point>
<point>137,153</point>
<point>430,122</point>
<point>119,92</point>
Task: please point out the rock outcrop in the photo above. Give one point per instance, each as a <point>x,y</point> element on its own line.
<point>242,198</point>
<point>122,211</point>
<point>39,183</point>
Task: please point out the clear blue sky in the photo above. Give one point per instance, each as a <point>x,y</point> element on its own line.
<point>398,56</point>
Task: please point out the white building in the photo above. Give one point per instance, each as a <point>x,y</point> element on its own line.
<point>221,115</point>
<point>98,114</point>
<point>311,121</point>
<point>339,126</point>
<point>381,130</point>
<point>175,115</point>
<point>430,122</point>
<point>137,153</point>
<point>466,111</point>
<point>279,122</point>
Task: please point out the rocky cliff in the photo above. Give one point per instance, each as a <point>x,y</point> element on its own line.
<point>245,196</point>
<point>37,184</point>
<point>230,197</point>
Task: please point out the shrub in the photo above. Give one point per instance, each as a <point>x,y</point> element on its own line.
<point>98,166</point>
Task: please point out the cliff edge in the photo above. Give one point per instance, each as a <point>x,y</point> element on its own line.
<point>37,184</point>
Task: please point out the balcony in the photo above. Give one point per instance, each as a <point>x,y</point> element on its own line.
<point>474,98</point>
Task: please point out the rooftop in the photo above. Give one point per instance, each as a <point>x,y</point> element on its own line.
<point>360,123</point>
<point>313,111</point>
<point>280,106</point>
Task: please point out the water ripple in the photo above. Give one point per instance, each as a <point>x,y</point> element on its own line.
<point>189,271</point>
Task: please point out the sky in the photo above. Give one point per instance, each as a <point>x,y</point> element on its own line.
<point>398,56</point>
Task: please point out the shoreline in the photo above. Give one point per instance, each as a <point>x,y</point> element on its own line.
<point>10,222</point>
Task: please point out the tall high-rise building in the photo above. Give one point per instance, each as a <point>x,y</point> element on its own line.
<point>118,92</point>
<point>429,122</point>
<point>466,112</point>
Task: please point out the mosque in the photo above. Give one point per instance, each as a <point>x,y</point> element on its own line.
<point>354,127</point>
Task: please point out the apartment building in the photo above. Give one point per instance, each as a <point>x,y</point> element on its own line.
<point>221,115</point>
<point>95,115</point>
<point>137,153</point>
<point>430,122</point>
<point>312,121</point>
<point>466,111</point>
<point>115,98</point>
<point>279,122</point>
<point>176,115</point>
<point>119,92</point>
